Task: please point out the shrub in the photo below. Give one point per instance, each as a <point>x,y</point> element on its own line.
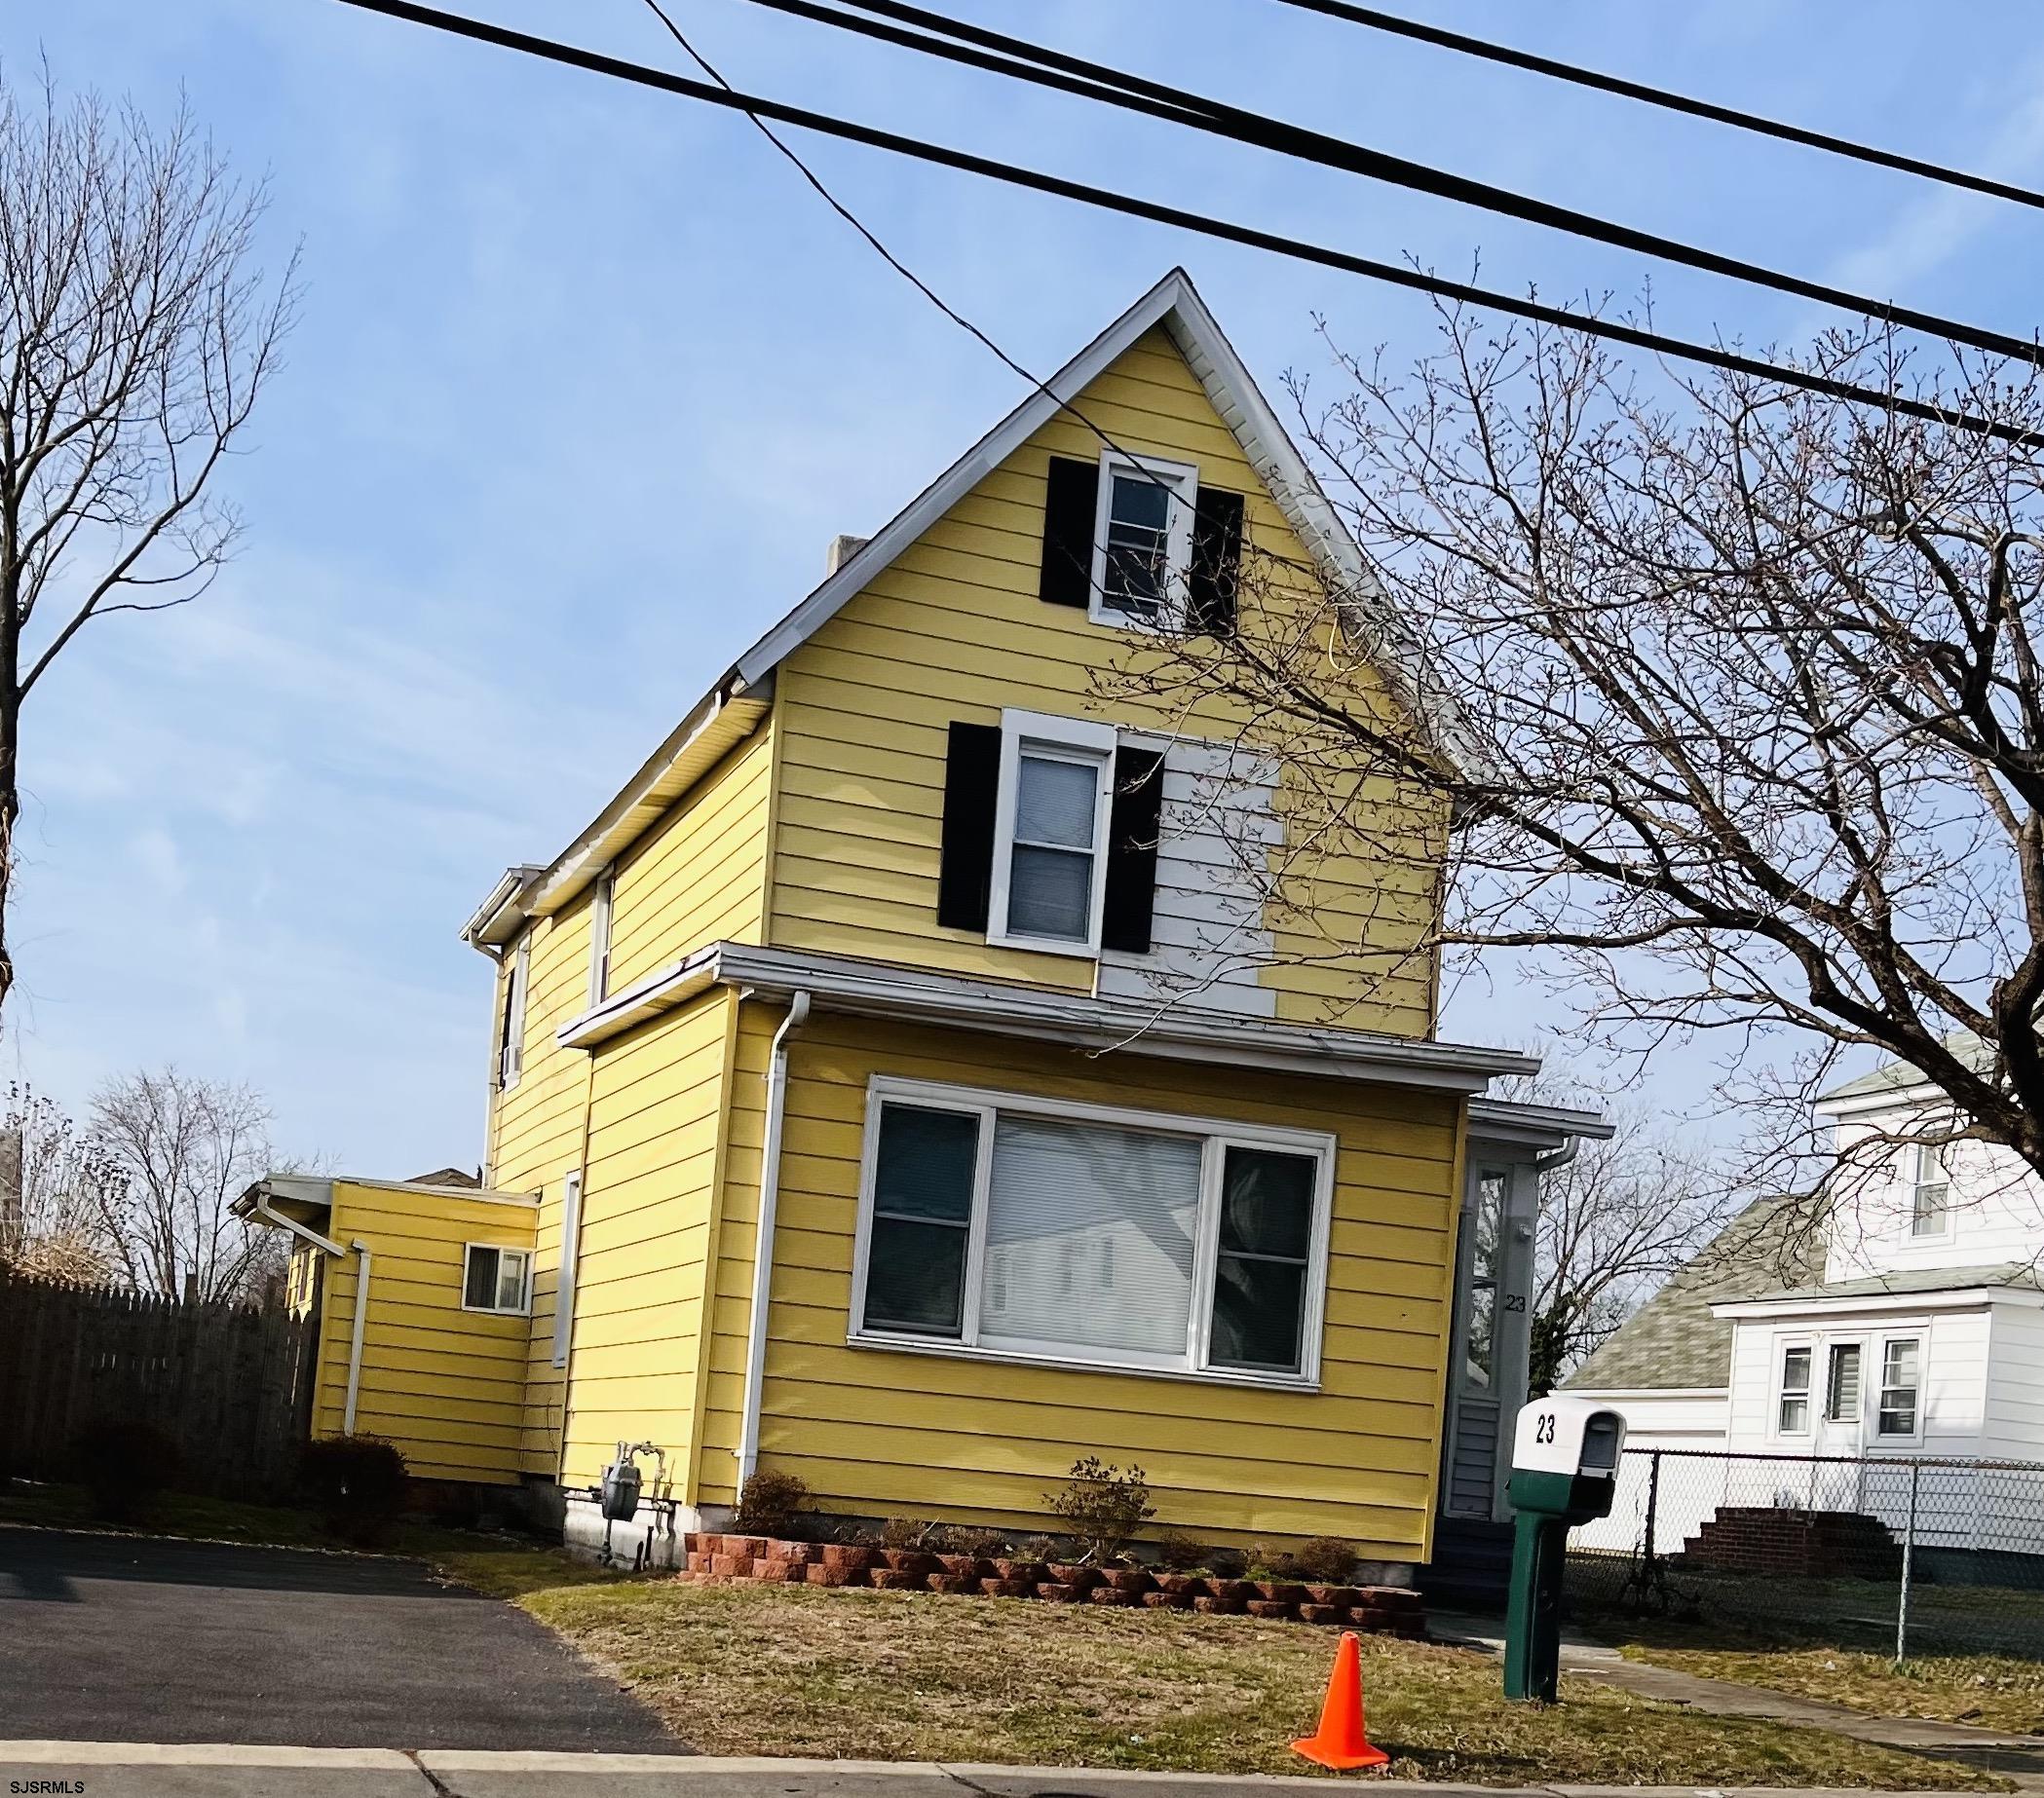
<point>1180,1554</point>
<point>1326,1560</point>
<point>770,1503</point>
<point>1039,1548</point>
<point>1103,1505</point>
<point>906,1533</point>
<point>357,1482</point>
<point>123,1464</point>
<point>969,1539</point>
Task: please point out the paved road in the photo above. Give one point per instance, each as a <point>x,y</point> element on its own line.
<point>123,1638</point>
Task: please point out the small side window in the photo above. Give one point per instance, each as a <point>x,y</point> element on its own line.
<point>496,1279</point>
<point>510,1035</point>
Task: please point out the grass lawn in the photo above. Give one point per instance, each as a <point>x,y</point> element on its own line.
<point>774,1669</point>
<point>1994,1691</point>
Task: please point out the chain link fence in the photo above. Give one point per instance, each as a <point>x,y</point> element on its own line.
<point>1911,1555</point>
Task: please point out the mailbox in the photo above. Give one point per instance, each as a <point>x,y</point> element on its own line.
<point>1565,1471</point>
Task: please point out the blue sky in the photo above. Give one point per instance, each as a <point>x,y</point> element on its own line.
<point>586,380</point>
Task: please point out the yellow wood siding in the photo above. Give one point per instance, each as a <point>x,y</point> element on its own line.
<point>954,630</point>
<point>699,874</point>
<point>444,1385</point>
<point>648,1238</point>
<point>876,1432</point>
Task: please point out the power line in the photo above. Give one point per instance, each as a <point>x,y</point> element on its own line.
<point>1392,273</point>
<point>1021,59</point>
<point>1374,20</point>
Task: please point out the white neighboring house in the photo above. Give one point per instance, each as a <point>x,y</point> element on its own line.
<point>1922,1340</point>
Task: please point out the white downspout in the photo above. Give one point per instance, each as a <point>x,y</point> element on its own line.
<point>355,1345</point>
<point>261,1207</point>
<point>763,1237</point>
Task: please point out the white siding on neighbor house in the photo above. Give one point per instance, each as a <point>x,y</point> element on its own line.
<point>1995,1207</point>
<point>1690,1491</point>
<point>2015,1399</point>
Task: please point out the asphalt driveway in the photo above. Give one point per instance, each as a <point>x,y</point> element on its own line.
<point>128,1639</point>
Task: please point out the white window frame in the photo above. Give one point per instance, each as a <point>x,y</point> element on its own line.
<point>1918,1153</point>
<point>510,1041</point>
<point>1064,738</point>
<point>570,1255</point>
<point>600,904</point>
<point>1219,1135</point>
<point>1784,1346</point>
<point>1183,480</point>
<point>523,1308</point>
<point>1921,1340</point>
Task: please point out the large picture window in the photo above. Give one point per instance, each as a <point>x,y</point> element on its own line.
<point>1038,1230</point>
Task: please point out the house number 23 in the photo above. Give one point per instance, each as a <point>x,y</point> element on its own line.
<point>1543,1427</point>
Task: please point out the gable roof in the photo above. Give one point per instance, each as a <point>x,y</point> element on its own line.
<point>1175,305</point>
<point>1673,1343</point>
<point>1897,1076</point>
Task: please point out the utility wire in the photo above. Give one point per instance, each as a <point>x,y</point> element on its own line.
<point>1488,51</point>
<point>1021,59</point>
<point>1393,274</point>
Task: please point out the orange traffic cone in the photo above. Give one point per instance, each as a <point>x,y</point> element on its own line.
<point>1340,1742</point>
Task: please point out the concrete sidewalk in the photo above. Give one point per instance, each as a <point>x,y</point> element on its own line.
<point>130,1770</point>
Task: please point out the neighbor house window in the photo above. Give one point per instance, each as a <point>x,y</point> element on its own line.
<point>1930,1190</point>
<point>599,936</point>
<point>1480,1345</point>
<point>1143,539</point>
<point>496,1279</point>
<point>1793,1413</point>
<point>1081,1233</point>
<point>1051,818</point>
<point>1898,1385</point>
<point>1842,1385</point>
<point>510,1035</point>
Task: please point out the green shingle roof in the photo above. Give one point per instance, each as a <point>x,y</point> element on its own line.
<point>1673,1342</point>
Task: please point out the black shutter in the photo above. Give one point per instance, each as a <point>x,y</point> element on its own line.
<point>1068,530</point>
<point>966,871</point>
<point>1131,849</point>
<point>1217,561</point>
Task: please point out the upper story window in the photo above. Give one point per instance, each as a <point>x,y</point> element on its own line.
<point>496,1279</point>
<point>511,1032</point>
<point>1792,1415</point>
<point>1142,539</point>
<point>1930,1190</point>
<point>1050,835</point>
<point>1085,1234</point>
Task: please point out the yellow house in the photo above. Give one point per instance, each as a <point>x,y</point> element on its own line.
<point>903,1081</point>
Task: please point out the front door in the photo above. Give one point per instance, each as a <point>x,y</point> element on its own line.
<point>1475,1398</point>
<point>1840,1425</point>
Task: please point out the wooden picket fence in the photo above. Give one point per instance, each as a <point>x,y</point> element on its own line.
<point>230,1384</point>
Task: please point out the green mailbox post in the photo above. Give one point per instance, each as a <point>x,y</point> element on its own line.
<point>1565,1469</point>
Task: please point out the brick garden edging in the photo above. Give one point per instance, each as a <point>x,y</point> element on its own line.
<point>1383,1610</point>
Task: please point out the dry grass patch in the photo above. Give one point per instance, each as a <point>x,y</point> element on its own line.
<point>756,1670</point>
<point>1994,1691</point>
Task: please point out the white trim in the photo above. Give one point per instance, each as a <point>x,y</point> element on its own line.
<point>600,903</point>
<point>364,1260</point>
<point>848,984</point>
<point>524,1306</point>
<point>1953,1298</point>
<point>570,1258</point>
<point>1183,479</point>
<point>1217,1136</point>
<point>1068,740</point>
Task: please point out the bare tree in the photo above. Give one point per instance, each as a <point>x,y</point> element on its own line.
<point>185,1149</point>
<point>1731,689</point>
<point>57,1189</point>
<point>134,337</point>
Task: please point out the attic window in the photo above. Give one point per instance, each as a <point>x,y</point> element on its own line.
<point>1142,539</point>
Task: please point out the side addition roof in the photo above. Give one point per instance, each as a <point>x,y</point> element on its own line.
<point>1173,304</point>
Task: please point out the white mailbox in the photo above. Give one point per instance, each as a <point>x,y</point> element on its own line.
<point>1561,1435</point>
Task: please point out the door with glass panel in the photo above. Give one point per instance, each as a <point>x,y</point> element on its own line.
<point>1841,1427</point>
<point>1476,1399</point>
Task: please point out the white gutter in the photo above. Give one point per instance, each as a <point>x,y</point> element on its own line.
<point>354,1346</point>
<point>261,1206</point>
<point>762,1238</point>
